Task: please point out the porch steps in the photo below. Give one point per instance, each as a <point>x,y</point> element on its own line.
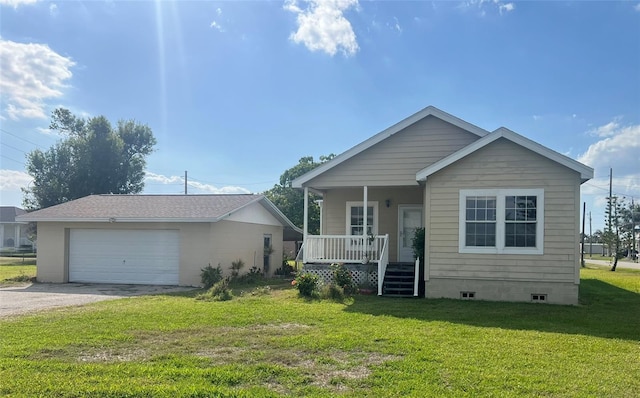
<point>399,280</point>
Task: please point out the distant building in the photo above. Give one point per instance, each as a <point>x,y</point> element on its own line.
<point>13,234</point>
<point>596,249</point>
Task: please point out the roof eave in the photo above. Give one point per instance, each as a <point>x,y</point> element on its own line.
<point>273,209</point>
<point>122,220</point>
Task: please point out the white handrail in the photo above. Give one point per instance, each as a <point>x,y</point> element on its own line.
<point>382,264</point>
<point>301,251</point>
<point>416,278</point>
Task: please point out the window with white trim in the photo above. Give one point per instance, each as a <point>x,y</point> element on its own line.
<point>501,221</point>
<point>355,218</point>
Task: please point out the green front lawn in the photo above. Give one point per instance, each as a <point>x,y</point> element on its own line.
<point>16,273</point>
<point>278,344</point>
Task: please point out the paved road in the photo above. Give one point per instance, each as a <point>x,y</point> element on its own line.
<point>18,300</point>
<point>621,263</point>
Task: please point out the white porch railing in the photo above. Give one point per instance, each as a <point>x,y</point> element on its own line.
<point>329,249</point>
<point>344,249</point>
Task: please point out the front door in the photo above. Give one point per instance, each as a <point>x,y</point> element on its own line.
<point>409,218</point>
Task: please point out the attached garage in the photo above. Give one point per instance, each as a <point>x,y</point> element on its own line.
<point>150,257</point>
<point>158,239</point>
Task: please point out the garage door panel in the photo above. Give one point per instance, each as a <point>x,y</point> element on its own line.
<point>124,256</point>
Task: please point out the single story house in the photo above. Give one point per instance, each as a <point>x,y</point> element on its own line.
<point>13,234</point>
<point>157,239</point>
<point>500,212</point>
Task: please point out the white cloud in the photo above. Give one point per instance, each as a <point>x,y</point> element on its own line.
<point>395,25</point>
<point>618,149</point>
<point>506,7</point>
<point>608,129</point>
<point>484,5</point>
<point>207,188</point>
<point>193,186</point>
<point>215,24</point>
<point>16,3</point>
<point>31,74</point>
<point>637,7</point>
<point>47,131</point>
<point>53,10</point>
<point>13,180</point>
<point>323,27</point>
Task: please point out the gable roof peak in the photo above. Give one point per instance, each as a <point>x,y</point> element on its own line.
<point>386,133</point>
<point>586,172</point>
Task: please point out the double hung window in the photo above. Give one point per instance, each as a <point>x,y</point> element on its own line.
<point>355,218</point>
<point>501,221</point>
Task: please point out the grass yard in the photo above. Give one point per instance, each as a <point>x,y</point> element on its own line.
<point>275,344</point>
<point>15,271</point>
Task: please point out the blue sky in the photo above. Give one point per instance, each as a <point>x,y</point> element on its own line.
<point>237,92</point>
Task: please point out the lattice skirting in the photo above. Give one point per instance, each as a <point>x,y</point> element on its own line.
<point>361,274</point>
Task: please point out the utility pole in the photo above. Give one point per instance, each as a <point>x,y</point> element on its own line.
<point>634,256</point>
<point>590,238</point>
<point>185,182</point>
<point>584,214</point>
<point>610,194</point>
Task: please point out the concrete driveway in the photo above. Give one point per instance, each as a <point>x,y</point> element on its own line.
<point>18,300</point>
<point>623,263</point>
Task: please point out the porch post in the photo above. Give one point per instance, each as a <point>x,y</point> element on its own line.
<point>320,203</point>
<point>305,229</point>
<point>365,202</point>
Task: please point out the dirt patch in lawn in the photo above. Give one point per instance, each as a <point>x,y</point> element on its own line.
<point>255,345</point>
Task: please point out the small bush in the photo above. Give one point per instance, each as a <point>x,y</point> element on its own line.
<point>21,278</point>
<point>417,243</point>
<point>236,266</point>
<point>254,276</point>
<point>218,292</point>
<point>209,276</point>
<point>343,278</point>
<point>285,270</point>
<point>333,292</point>
<point>307,284</point>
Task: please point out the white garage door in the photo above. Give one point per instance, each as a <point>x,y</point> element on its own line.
<point>124,256</point>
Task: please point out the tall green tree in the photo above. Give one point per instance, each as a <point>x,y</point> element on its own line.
<point>290,201</point>
<point>92,158</point>
<point>620,220</point>
<point>629,219</point>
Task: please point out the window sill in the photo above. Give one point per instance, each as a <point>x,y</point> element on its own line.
<point>496,250</point>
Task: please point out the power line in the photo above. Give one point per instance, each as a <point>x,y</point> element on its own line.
<point>615,193</point>
<point>13,160</point>
<point>12,147</point>
<point>21,138</point>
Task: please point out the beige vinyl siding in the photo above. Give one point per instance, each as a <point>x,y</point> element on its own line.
<point>334,210</point>
<point>504,164</point>
<point>51,260</point>
<point>233,240</point>
<point>200,244</point>
<point>395,161</point>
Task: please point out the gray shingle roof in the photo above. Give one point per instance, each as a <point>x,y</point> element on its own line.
<point>158,208</point>
<point>145,207</point>
<point>8,213</point>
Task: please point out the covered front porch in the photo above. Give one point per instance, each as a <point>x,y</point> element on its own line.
<point>367,253</point>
